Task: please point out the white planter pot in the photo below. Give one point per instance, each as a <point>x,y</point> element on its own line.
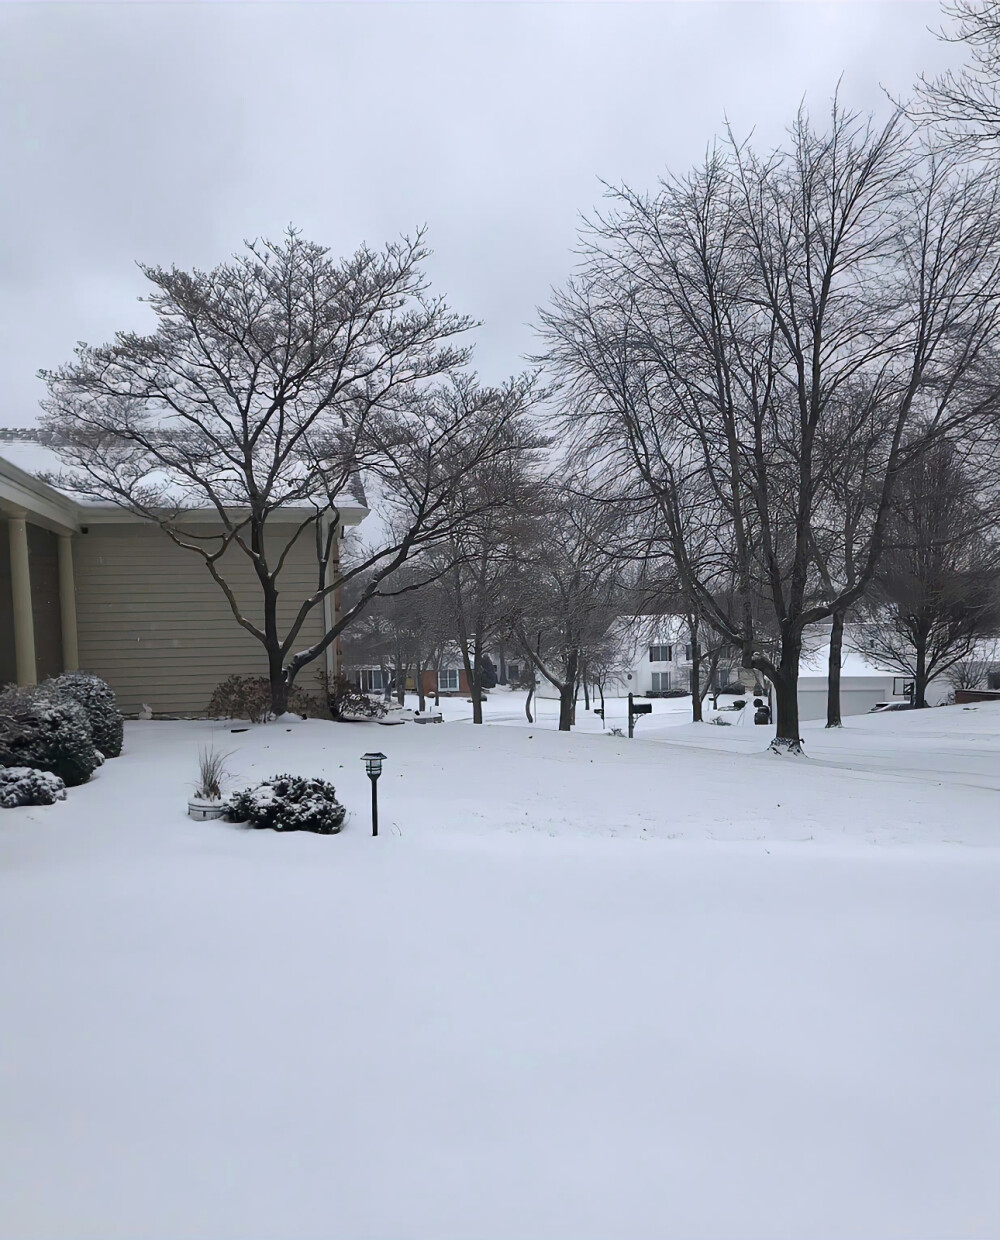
<point>201,810</point>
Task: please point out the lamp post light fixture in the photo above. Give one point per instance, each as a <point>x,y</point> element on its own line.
<point>373,765</point>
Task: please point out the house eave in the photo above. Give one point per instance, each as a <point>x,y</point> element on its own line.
<point>23,493</point>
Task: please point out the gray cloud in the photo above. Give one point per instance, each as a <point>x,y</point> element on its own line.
<point>169,132</point>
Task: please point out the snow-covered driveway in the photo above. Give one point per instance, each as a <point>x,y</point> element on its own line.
<point>578,988</point>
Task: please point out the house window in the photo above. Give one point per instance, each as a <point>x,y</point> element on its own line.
<point>448,680</point>
<point>661,682</point>
<point>687,654</point>
<point>661,654</point>
<point>513,671</point>
<point>370,680</point>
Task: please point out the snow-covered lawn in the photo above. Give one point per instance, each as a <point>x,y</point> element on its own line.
<point>579,987</point>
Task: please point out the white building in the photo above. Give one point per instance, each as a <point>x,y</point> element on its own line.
<point>656,659</point>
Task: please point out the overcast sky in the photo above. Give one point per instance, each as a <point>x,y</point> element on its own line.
<point>169,132</point>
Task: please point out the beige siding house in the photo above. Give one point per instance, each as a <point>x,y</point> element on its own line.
<point>91,587</point>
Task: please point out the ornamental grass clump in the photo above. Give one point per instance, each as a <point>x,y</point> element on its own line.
<point>211,774</point>
<point>288,803</point>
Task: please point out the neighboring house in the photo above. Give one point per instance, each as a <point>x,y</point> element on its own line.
<point>862,684</point>
<point>655,658</point>
<point>451,679</point>
<point>863,681</point>
<point>88,585</point>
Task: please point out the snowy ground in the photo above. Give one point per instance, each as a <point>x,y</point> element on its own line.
<point>580,987</point>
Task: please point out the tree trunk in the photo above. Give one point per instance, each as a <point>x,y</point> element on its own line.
<point>586,691</point>
<point>502,670</point>
<point>696,713</point>
<point>275,665</point>
<point>920,680</point>
<point>786,687</point>
<point>833,672</point>
<point>527,702</point>
<point>401,676</point>
<point>565,708</point>
<point>711,685</point>
<point>476,683</point>
<point>279,684</point>
<point>567,693</point>
<point>421,702</point>
<point>600,686</point>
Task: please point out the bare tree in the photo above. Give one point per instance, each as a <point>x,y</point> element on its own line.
<point>715,325</point>
<point>846,508</point>
<point>937,589</point>
<point>975,671</point>
<point>485,553</point>
<point>568,597</point>
<point>271,384</point>
<point>965,107</point>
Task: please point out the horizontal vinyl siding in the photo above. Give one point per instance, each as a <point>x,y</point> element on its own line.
<point>156,626</point>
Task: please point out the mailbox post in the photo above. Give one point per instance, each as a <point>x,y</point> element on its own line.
<point>644,708</point>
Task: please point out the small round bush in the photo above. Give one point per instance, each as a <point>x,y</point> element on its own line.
<point>20,785</point>
<point>249,697</point>
<point>288,803</point>
<point>98,699</point>
<point>347,702</point>
<point>47,733</point>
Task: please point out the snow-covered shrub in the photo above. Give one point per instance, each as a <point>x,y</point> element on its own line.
<point>98,699</point>
<point>288,803</point>
<point>249,697</point>
<point>347,701</point>
<point>47,732</point>
<point>20,785</point>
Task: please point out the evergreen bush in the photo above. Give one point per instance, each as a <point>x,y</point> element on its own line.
<point>20,785</point>
<point>98,699</point>
<point>47,732</point>
<point>288,803</point>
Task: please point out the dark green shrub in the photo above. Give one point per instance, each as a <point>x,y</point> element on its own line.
<point>288,803</point>
<point>20,785</point>
<point>47,732</point>
<point>98,699</point>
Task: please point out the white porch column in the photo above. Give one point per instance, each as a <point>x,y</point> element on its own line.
<point>67,605</point>
<point>20,588</point>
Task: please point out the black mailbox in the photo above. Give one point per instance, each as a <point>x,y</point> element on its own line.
<point>644,708</point>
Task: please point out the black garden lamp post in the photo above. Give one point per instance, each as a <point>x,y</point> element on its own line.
<point>373,765</point>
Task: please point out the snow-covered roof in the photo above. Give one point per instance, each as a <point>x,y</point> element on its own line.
<point>817,662</point>
<point>31,457</point>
